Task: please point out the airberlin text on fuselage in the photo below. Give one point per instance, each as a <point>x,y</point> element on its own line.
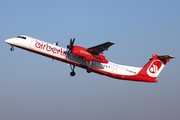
<point>49,48</point>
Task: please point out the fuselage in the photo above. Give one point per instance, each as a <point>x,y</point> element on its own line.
<point>62,54</point>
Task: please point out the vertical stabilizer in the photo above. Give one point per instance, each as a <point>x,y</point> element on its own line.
<point>156,64</point>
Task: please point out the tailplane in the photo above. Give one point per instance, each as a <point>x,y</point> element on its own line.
<point>153,68</point>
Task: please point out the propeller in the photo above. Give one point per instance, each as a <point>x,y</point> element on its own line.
<point>70,46</point>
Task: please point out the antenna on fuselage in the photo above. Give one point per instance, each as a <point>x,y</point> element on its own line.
<point>56,44</point>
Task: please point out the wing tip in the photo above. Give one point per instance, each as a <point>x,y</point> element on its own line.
<point>111,42</point>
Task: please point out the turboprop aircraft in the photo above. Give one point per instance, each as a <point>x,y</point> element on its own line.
<point>92,59</point>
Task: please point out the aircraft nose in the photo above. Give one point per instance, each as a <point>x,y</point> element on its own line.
<point>9,41</point>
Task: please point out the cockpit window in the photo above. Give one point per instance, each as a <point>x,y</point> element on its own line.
<point>21,37</point>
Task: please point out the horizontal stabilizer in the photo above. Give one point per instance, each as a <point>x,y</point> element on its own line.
<point>163,58</point>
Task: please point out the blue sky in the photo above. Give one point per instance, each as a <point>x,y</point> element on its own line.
<point>34,87</point>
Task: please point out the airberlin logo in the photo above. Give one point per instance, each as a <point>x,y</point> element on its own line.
<point>155,68</point>
<point>49,48</point>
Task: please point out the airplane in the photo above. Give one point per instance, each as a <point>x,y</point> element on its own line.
<point>92,59</point>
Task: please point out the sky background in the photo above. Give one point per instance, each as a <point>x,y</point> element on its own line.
<point>32,87</point>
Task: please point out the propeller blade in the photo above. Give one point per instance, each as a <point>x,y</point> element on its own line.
<point>71,42</point>
<point>70,46</point>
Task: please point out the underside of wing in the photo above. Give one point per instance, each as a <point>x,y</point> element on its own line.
<point>100,48</point>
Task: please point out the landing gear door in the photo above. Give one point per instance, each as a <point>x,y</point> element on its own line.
<point>114,69</point>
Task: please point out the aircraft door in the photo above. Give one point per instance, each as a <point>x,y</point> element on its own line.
<point>114,69</point>
<point>32,45</point>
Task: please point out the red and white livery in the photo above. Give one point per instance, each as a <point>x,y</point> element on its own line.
<point>92,59</point>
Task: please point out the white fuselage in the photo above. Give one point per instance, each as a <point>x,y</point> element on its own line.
<point>61,54</point>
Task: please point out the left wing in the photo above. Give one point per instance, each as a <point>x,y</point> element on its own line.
<point>100,48</point>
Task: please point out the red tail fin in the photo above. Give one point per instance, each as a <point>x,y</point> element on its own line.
<point>153,68</point>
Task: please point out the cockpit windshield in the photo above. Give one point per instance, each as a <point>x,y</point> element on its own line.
<point>21,37</point>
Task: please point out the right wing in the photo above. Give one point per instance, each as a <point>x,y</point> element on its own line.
<point>100,48</point>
